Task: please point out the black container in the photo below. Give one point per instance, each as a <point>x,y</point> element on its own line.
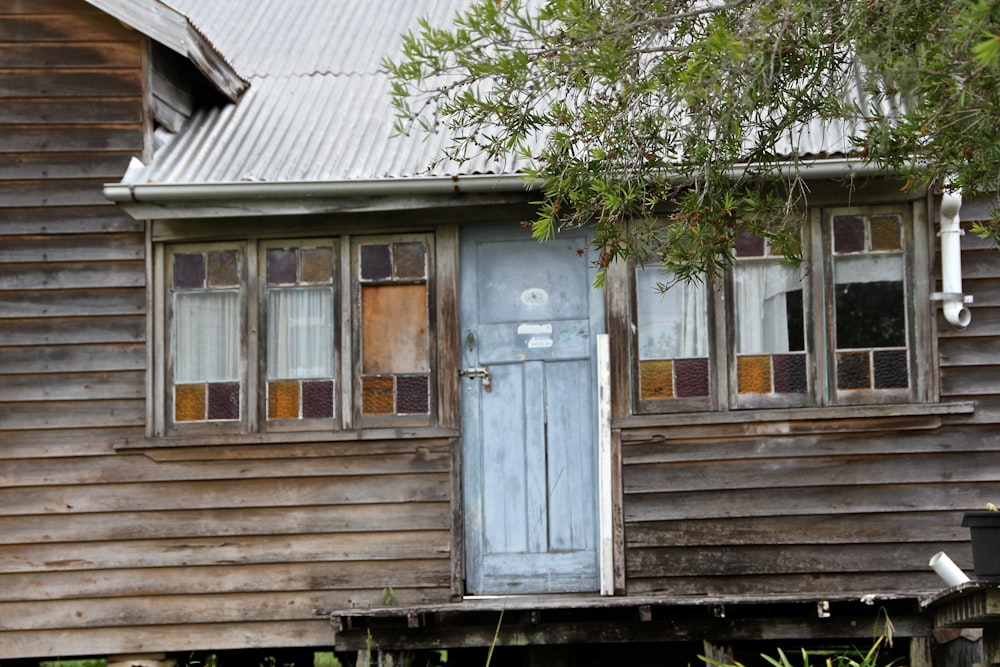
<point>985,529</point>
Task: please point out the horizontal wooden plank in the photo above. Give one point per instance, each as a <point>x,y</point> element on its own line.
<point>71,414</point>
<point>72,358</point>
<point>96,165</point>
<point>71,55</point>
<point>128,526</point>
<point>137,468</point>
<point>70,442</point>
<point>970,380</point>
<point>24,303</point>
<point>281,577</point>
<point>71,110</point>
<point>154,639</point>
<point>80,247</point>
<point>72,275</point>
<point>719,503</point>
<point>62,26</point>
<point>86,559</point>
<point>34,221</point>
<point>72,387</point>
<point>981,264</point>
<point>284,448</point>
<point>73,330</point>
<point>984,290</point>
<point>45,7</point>
<point>71,138</point>
<point>42,83</point>
<point>223,494</point>
<point>922,583</point>
<point>81,192</point>
<point>968,351</point>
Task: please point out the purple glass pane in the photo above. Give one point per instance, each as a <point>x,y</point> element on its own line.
<point>376,262</point>
<point>410,260</point>
<point>224,400</point>
<point>852,371</point>
<point>317,399</point>
<point>282,266</point>
<point>189,271</point>
<point>848,234</point>
<point>691,377</point>
<point>412,395</point>
<point>749,244</point>
<point>223,268</point>
<point>891,369</point>
<point>789,373</point>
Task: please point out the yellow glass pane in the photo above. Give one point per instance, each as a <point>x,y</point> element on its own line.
<point>283,400</point>
<point>377,396</point>
<point>754,373</point>
<point>886,232</point>
<point>394,329</point>
<point>656,379</point>
<point>317,265</point>
<point>189,402</point>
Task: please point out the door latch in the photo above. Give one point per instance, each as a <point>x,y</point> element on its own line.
<point>479,372</point>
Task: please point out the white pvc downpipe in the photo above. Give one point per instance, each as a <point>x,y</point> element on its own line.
<point>951,296</point>
<point>947,570</point>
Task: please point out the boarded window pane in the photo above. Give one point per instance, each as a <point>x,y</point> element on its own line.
<point>394,329</point>
<point>206,336</point>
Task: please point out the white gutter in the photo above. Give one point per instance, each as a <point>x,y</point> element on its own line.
<point>126,192</point>
<point>951,233</point>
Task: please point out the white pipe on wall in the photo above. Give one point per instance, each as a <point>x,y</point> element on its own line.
<point>951,263</point>
<point>947,570</point>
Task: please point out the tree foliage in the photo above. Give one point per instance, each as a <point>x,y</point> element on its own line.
<point>672,124</point>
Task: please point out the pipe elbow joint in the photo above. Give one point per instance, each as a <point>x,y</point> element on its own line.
<point>957,315</point>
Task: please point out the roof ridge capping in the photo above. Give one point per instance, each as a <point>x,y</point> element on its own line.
<point>168,26</point>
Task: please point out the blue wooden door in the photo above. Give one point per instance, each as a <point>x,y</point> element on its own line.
<point>530,319</point>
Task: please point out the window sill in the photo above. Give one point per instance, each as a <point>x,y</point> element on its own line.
<point>164,442</point>
<point>795,420</point>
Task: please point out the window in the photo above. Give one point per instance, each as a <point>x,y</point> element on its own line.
<point>839,329</point>
<point>306,334</point>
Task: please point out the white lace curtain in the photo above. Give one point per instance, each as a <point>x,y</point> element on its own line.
<point>207,336</point>
<point>300,333</point>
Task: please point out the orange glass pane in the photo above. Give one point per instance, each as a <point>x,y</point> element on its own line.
<point>283,400</point>
<point>656,379</point>
<point>377,396</point>
<point>189,402</point>
<point>394,329</point>
<point>754,373</point>
<point>885,231</point>
<point>317,265</point>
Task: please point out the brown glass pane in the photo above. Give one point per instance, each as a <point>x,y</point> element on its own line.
<point>283,400</point>
<point>377,396</point>
<point>852,370</point>
<point>189,271</point>
<point>656,379</point>
<point>691,377</point>
<point>224,400</point>
<point>223,268</point>
<point>189,402</point>
<point>394,329</point>
<point>317,399</point>
<point>317,265</point>
<point>848,234</point>
<point>886,232</point>
<point>376,262</point>
<point>282,266</point>
<point>891,369</point>
<point>410,260</point>
<point>412,395</point>
<point>754,374</point>
<point>789,373</point>
<point>749,244</point>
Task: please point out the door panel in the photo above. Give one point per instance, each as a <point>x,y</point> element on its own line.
<point>529,314</point>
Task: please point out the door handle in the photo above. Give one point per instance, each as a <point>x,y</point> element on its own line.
<point>479,372</point>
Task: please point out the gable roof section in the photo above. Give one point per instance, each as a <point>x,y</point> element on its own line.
<point>169,27</point>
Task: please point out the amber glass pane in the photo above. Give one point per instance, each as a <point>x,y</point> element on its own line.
<point>412,394</point>
<point>394,329</point>
<point>410,260</point>
<point>852,370</point>
<point>891,369</point>
<point>189,402</point>
<point>317,265</point>
<point>656,379</point>
<point>789,373</point>
<point>317,399</point>
<point>189,271</point>
<point>886,232</point>
<point>282,266</point>
<point>376,262</point>
<point>749,244</point>
<point>224,400</point>
<point>754,373</point>
<point>848,234</point>
<point>377,396</point>
<point>283,400</point>
<point>223,268</point>
<point>691,377</point>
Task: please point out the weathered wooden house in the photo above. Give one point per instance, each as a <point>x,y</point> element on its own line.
<point>280,384</point>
